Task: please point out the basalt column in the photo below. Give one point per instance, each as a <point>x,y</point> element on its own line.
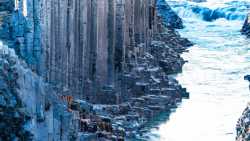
<point>66,38</point>
<point>105,49</point>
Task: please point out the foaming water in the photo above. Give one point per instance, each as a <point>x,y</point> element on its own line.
<point>212,10</point>
<point>214,77</point>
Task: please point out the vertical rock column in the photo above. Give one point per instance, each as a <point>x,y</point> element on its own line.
<point>66,38</point>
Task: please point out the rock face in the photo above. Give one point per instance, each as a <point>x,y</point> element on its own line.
<point>246,27</point>
<point>96,69</point>
<point>29,108</point>
<point>12,117</point>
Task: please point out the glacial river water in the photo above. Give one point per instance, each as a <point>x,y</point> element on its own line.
<point>213,75</point>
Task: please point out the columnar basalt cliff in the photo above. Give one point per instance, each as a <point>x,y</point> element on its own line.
<point>87,53</point>
<point>95,45</point>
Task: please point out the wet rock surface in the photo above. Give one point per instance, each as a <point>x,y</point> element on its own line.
<point>246,27</point>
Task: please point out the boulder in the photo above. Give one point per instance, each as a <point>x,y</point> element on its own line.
<point>247,77</point>
<point>81,105</point>
<point>170,18</point>
<point>246,27</point>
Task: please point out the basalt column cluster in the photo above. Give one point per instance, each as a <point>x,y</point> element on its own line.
<point>83,48</point>
<point>87,43</point>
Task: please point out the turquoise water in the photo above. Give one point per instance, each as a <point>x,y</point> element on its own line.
<point>213,75</point>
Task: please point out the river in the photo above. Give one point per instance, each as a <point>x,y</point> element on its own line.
<point>213,75</point>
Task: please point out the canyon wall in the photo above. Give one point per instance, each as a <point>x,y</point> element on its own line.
<point>115,52</point>
<point>79,46</point>
<point>84,48</point>
<point>86,43</point>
